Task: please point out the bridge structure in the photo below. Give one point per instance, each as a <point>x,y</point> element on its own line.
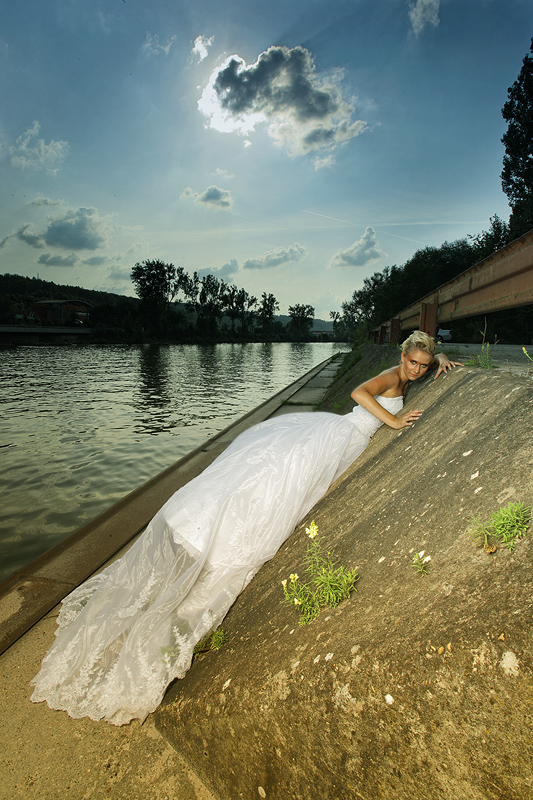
<point>501,281</point>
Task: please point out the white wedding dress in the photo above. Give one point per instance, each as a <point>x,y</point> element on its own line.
<point>127,632</point>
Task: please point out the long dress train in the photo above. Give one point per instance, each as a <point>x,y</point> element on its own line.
<point>126,633</point>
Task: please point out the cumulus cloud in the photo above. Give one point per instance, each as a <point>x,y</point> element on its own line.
<point>76,229</point>
<point>59,261</point>
<point>273,258</point>
<point>423,13</point>
<point>79,229</point>
<point>213,197</point>
<point>227,271</point>
<point>304,111</point>
<point>362,252</point>
<point>30,152</point>
<point>153,47</point>
<point>201,43</point>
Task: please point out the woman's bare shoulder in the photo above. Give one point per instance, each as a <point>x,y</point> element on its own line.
<point>386,384</point>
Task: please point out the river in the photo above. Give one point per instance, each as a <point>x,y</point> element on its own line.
<point>84,425</point>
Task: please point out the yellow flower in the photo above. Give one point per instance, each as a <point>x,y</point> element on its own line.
<point>294,577</point>
<point>297,602</point>
<point>284,583</point>
<point>312,530</point>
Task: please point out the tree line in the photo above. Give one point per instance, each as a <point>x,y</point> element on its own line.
<point>174,304</point>
<point>171,306</point>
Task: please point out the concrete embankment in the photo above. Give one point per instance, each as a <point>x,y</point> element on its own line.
<point>418,686</point>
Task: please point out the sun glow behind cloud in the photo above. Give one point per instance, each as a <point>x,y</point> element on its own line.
<point>305,113</point>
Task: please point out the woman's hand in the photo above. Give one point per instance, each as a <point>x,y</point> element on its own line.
<point>406,420</point>
<point>445,364</point>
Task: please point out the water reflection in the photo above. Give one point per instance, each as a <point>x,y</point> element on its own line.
<point>153,401</point>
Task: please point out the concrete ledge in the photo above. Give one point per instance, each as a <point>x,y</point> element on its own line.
<point>34,590</point>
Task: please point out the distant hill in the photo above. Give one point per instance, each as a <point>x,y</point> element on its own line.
<point>21,291</point>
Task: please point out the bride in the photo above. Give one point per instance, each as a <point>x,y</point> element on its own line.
<point>126,633</point>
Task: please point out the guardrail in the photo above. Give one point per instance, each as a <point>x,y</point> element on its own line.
<point>503,280</point>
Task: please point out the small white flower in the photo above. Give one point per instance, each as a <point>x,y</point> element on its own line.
<point>284,583</point>
<point>297,602</point>
<point>294,577</point>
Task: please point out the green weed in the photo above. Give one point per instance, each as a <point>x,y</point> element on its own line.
<point>504,527</point>
<point>213,641</point>
<point>328,585</point>
<point>419,562</point>
<point>484,359</point>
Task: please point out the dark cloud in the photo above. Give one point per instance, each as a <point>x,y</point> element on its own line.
<point>304,111</point>
<point>58,261</point>
<point>360,253</point>
<point>95,261</point>
<point>77,229</point>
<point>273,258</point>
<point>80,229</point>
<point>213,197</point>
<point>33,239</point>
<point>280,80</point>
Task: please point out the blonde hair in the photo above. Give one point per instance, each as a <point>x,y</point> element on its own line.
<point>419,340</point>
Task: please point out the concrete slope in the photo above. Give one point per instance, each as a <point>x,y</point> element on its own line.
<point>418,686</point>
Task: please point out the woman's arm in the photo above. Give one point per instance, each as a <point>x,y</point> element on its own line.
<point>442,363</point>
<point>384,383</point>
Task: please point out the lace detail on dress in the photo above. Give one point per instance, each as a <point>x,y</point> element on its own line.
<point>126,633</point>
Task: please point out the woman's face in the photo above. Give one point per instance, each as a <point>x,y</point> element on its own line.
<point>416,363</point>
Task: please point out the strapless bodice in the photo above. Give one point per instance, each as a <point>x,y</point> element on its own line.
<point>367,422</point>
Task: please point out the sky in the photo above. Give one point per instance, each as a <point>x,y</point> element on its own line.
<point>288,148</point>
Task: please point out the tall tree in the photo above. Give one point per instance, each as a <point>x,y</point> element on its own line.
<point>210,305</point>
<point>301,321</point>
<point>517,173</point>
<point>156,286</point>
<point>265,314</point>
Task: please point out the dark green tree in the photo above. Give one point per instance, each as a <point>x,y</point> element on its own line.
<point>486,243</point>
<point>517,173</point>
<point>246,304</point>
<point>301,322</point>
<point>156,286</point>
<point>210,305</point>
<point>265,315</point>
<point>231,307</point>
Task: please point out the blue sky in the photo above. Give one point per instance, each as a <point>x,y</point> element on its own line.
<point>288,148</point>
